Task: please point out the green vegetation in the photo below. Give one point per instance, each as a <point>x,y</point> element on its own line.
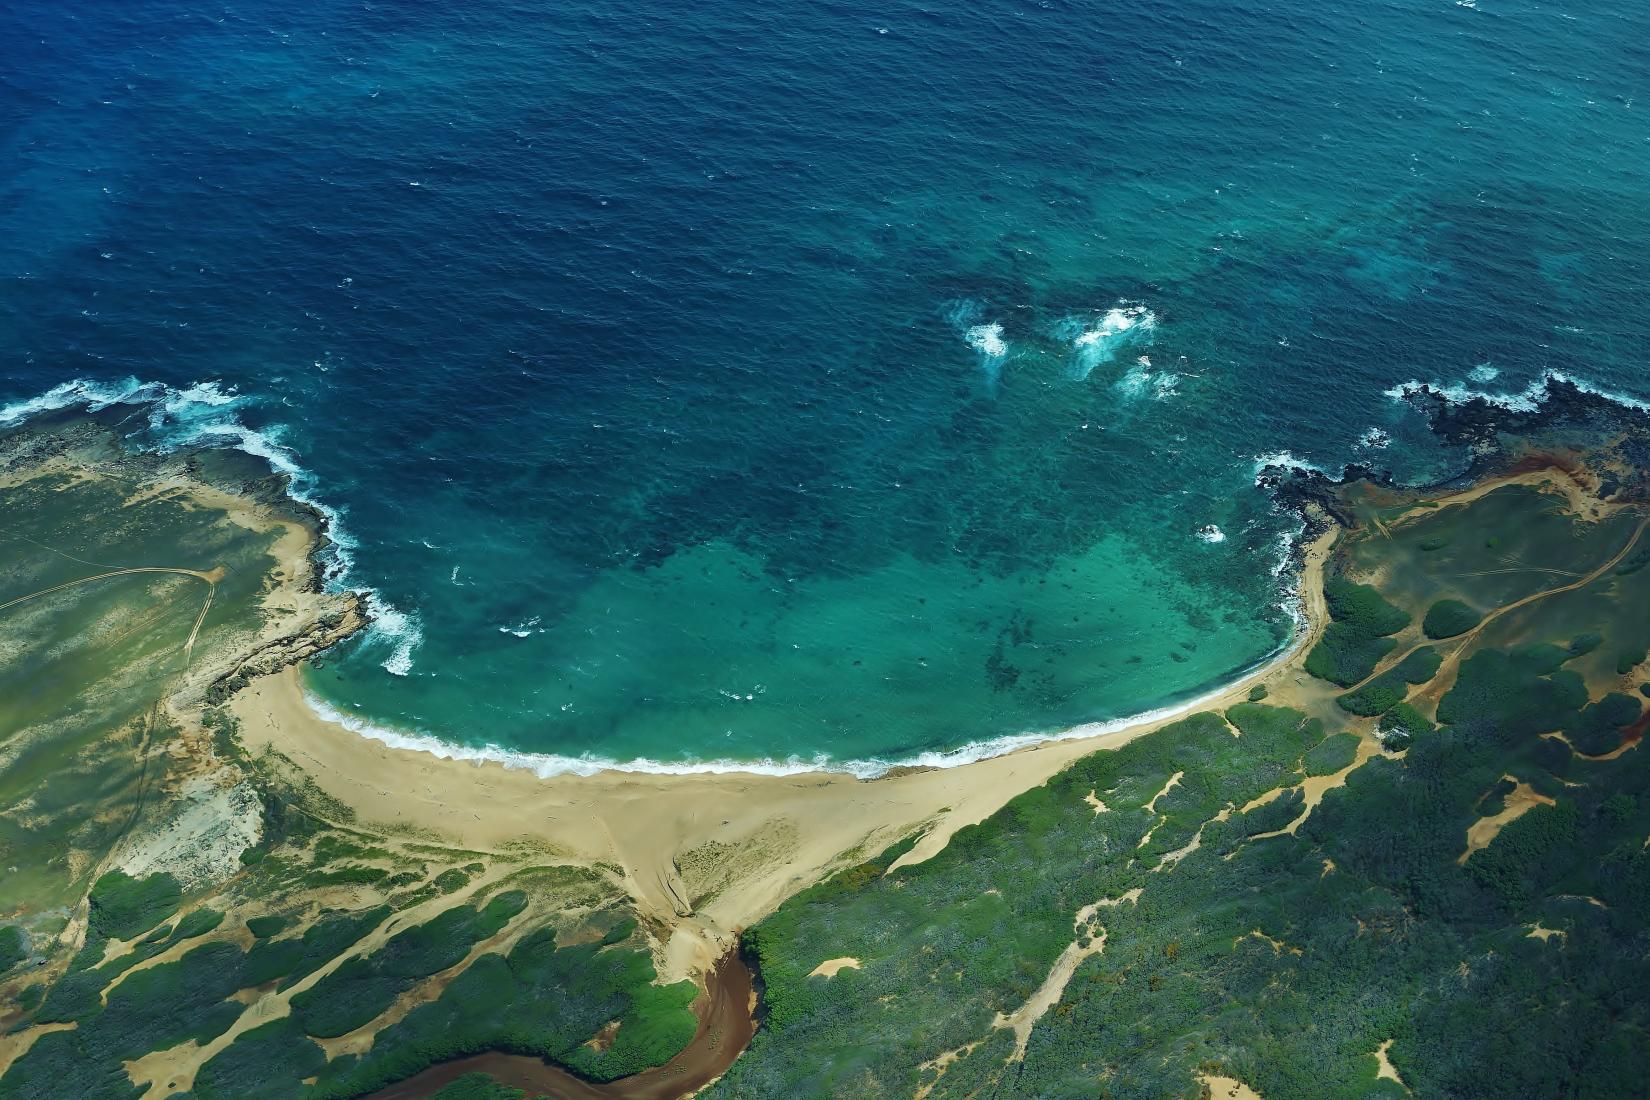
<point>1389,688</point>
<point>264,927</point>
<point>538,1000</point>
<point>1357,638</point>
<point>1400,725</point>
<point>1257,693</point>
<point>294,957</point>
<point>1284,961</point>
<point>1332,754</point>
<point>151,1009</point>
<point>1449,618</point>
<point>1597,728</point>
<point>478,1086</point>
<point>196,923</point>
<point>365,985</point>
<point>123,906</point>
<point>14,946</point>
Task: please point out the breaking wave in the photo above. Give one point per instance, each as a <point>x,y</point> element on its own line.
<point>1527,400</point>
<point>1097,341</point>
<point>208,414</point>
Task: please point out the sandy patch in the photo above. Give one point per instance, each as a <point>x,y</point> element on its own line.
<point>1217,1087</point>
<point>1521,800</point>
<point>830,968</point>
<point>1383,1066</point>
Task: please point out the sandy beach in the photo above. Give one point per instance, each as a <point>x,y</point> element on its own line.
<point>758,838</point>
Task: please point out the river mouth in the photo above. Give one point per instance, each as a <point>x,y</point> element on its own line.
<point>727,1012</point>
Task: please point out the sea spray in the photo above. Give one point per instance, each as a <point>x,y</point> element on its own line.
<point>985,337</point>
<point>1098,340</point>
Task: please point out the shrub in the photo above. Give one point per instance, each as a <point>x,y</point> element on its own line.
<point>14,947</point>
<point>1596,730</point>
<point>196,923</point>
<point>123,906</point>
<point>1345,655</point>
<point>1376,697</point>
<point>1257,693</point>
<point>1400,725</point>
<point>477,1086</point>
<point>1360,605</point>
<point>1629,660</point>
<point>264,927</point>
<point>363,987</point>
<point>1449,618</point>
<point>1332,754</point>
<point>1583,644</point>
<point>1356,641</point>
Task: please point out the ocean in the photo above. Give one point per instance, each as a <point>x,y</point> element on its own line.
<point>810,384</point>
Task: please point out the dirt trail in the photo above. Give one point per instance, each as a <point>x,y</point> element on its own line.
<point>1443,677</point>
<point>727,1021</point>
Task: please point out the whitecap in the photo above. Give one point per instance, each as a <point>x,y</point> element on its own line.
<point>983,337</point>
<point>523,630</point>
<point>1283,460</point>
<point>1211,534</point>
<point>1375,439</point>
<point>1096,341</point>
<point>987,340</point>
<point>1528,400</point>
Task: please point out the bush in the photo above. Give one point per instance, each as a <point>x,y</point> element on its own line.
<point>264,927</point>
<point>1356,641</point>
<point>123,906</point>
<point>196,923</point>
<point>1332,754</point>
<point>1346,655</point>
<point>14,947</point>
<point>1389,689</point>
<point>1583,644</point>
<point>1376,697</point>
<point>1257,693</point>
<point>1360,605</point>
<point>291,959</point>
<point>1400,725</point>
<point>477,1086</point>
<point>1596,730</point>
<point>363,987</point>
<point>1449,618</point>
<point>1629,660</point>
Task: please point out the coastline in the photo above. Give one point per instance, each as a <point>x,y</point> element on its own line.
<point>779,833</point>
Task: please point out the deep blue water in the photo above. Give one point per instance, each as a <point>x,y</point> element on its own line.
<point>647,351</point>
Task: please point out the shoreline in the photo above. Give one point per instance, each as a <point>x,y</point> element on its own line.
<point>770,835</point>
<point>546,765</point>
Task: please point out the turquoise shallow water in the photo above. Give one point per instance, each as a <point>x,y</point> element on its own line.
<point>796,380</point>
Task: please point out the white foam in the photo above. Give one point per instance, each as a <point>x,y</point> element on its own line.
<point>1211,534</point>
<point>1483,372</point>
<point>546,765</point>
<point>208,414</point>
<point>1098,341</point>
<point>1529,399</point>
<point>1285,460</point>
<point>523,630</point>
<point>967,317</point>
<point>1375,439</point>
<point>987,340</point>
<point>94,395</point>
